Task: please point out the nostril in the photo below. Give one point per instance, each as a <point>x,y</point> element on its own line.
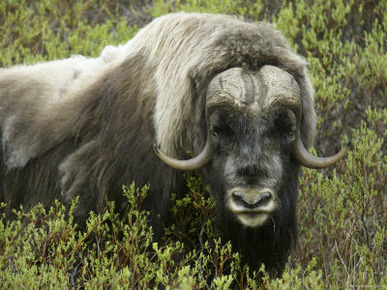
<point>262,201</point>
<point>237,195</point>
<point>251,201</point>
<point>266,196</point>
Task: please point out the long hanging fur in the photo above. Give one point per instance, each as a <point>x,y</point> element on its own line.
<point>84,127</point>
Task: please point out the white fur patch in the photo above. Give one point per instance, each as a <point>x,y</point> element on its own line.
<point>252,220</point>
<point>31,97</point>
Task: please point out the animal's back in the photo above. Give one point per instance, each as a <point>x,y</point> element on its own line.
<point>37,113</point>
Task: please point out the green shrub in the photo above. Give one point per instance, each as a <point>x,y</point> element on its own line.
<point>342,210</point>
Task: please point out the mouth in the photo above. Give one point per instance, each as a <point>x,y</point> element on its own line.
<point>252,219</point>
<point>251,206</point>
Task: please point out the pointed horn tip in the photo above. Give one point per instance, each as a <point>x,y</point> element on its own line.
<point>156,148</point>
<point>161,155</point>
<point>350,145</point>
<point>341,154</point>
<point>310,161</point>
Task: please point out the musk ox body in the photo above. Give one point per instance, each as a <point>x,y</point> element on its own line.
<point>230,93</point>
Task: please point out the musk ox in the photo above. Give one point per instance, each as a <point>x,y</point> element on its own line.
<point>213,93</point>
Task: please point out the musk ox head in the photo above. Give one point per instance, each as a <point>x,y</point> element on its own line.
<point>253,129</point>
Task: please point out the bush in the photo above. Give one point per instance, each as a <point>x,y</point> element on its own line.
<point>342,210</point>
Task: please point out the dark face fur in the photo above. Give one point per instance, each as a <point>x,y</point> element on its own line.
<point>250,153</point>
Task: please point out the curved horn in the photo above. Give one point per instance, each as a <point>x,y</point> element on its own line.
<point>282,88</point>
<point>221,91</point>
<point>195,163</point>
<point>308,160</point>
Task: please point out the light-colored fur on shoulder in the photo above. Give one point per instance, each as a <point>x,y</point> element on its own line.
<point>34,96</point>
<point>182,52</point>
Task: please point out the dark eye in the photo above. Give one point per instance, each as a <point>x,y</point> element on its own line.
<point>215,131</point>
<point>291,133</point>
<point>287,124</point>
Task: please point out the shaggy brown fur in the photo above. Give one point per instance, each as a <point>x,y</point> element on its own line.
<point>86,126</point>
